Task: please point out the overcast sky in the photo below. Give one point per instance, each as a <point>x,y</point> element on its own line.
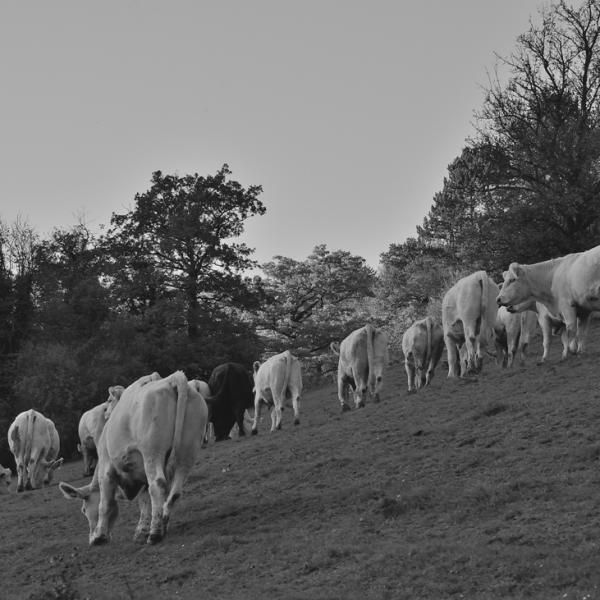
<point>346,112</point>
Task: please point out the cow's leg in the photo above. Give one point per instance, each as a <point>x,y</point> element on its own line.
<point>410,373</point>
<point>343,391</point>
<point>571,332</point>
<point>20,476</point>
<point>296,407</point>
<point>175,492</point>
<point>360,391</point>
<point>239,419</point>
<point>143,527</point>
<point>257,407</point>
<point>430,372</point>
<point>546,328</point>
<point>108,510</point>
<point>472,351</point>
<point>276,412</point>
<point>583,322</point>
<point>157,488</point>
<point>452,352</point>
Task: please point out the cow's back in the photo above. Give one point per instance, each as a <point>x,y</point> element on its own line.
<point>232,382</point>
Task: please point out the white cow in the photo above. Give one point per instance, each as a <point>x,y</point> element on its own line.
<point>91,425</point>
<point>549,324</point>
<point>568,286</point>
<point>279,377</point>
<point>363,356</point>
<point>422,345</point>
<point>513,333</point>
<point>34,442</point>
<point>5,479</point>
<point>147,448</point>
<point>468,317</point>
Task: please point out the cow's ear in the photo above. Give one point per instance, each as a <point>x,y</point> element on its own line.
<point>335,347</point>
<point>115,391</point>
<point>256,366</point>
<point>73,493</point>
<point>518,270</point>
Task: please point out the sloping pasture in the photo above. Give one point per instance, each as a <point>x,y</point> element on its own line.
<point>481,488</point>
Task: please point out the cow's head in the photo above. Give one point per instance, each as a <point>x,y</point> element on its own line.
<point>5,478</point>
<point>114,394</point>
<point>90,495</point>
<point>515,289</point>
<point>41,474</point>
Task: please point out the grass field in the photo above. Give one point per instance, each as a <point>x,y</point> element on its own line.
<point>480,488</point>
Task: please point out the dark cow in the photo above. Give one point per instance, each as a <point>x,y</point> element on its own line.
<point>231,389</point>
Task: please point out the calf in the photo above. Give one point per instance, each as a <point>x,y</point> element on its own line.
<point>91,425</point>
<point>231,387</point>
<point>363,356</point>
<point>422,345</point>
<point>34,442</point>
<point>277,378</point>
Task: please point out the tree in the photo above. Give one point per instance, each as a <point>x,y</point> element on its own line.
<point>312,302</point>
<point>545,120</point>
<point>178,242</point>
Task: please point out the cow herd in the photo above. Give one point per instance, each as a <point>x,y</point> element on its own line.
<point>144,439</point>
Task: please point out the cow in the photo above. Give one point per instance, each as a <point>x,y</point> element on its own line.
<point>549,324</point>
<point>569,286</point>
<point>468,317</point>
<point>230,386</point>
<point>277,378</point>
<point>422,345</point>
<point>512,333</point>
<point>5,479</point>
<point>147,448</point>
<point>34,442</point>
<point>363,356</point>
<point>91,425</point>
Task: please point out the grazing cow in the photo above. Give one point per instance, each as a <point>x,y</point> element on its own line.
<point>568,286</point>
<point>91,425</point>
<point>5,478</point>
<point>468,317</point>
<point>147,448</point>
<point>279,377</point>
<point>363,355</point>
<point>549,324</point>
<point>512,333</point>
<point>231,388</point>
<point>34,442</point>
<point>422,345</point>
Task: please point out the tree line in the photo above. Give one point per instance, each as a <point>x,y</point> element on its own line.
<point>167,284</point>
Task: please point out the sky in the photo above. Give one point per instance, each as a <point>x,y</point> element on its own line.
<point>347,112</point>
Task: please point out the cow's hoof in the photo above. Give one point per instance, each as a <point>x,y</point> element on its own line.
<point>140,537</point>
<point>254,432</point>
<point>296,421</point>
<point>345,408</point>
<point>154,538</point>
<point>99,540</point>
<point>278,427</point>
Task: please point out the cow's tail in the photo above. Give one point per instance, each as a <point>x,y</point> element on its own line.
<point>288,371</point>
<point>428,354</point>
<point>370,355</point>
<point>485,292</point>
<point>31,418</point>
<point>178,380</point>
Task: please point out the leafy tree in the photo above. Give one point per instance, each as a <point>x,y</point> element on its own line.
<point>312,302</point>
<point>545,120</point>
<point>177,242</point>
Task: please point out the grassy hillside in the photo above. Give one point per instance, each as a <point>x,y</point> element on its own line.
<point>480,488</point>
